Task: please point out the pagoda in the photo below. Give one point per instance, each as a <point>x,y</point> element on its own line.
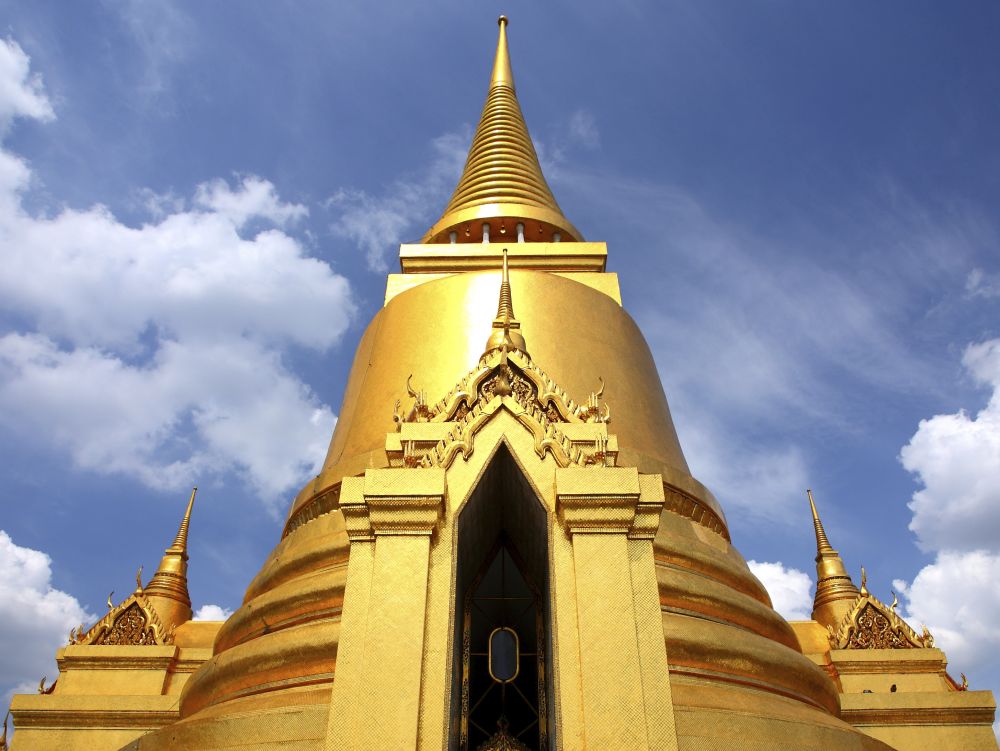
<point>505,548</point>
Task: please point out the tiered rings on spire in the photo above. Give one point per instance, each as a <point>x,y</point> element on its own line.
<point>168,589</point>
<point>835,591</point>
<point>502,195</point>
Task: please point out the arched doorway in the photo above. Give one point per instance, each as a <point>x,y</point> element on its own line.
<point>503,641</point>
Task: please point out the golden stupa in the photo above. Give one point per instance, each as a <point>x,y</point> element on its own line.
<point>505,549</point>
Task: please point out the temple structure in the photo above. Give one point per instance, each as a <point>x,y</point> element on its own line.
<point>505,549</point>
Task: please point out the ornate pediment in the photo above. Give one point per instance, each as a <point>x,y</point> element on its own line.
<point>511,381</point>
<point>134,622</point>
<point>871,624</point>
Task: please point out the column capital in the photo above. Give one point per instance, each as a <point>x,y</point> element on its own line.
<point>401,501</point>
<point>609,500</point>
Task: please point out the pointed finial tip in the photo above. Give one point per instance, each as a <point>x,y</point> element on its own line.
<point>503,21</point>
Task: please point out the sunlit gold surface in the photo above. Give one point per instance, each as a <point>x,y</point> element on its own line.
<point>660,636</point>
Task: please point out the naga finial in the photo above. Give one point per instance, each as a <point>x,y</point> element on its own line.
<point>926,637</point>
<point>592,411</point>
<point>3,738</point>
<point>419,412</point>
<point>111,605</point>
<point>895,601</point>
<point>965,683</point>
<point>138,579</point>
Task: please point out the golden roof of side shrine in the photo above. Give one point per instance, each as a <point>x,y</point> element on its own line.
<point>150,614</point>
<point>133,622</point>
<point>502,184</point>
<point>871,624</point>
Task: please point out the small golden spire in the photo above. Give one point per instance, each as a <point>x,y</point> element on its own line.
<point>505,306</point>
<point>167,591</point>
<point>181,541</point>
<point>835,592</point>
<point>506,335</point>
<point>822,542</point>
<point>502,185</point>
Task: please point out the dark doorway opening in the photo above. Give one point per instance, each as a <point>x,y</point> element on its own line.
<point>503,641</point>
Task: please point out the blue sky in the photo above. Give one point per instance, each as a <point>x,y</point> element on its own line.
<point>199,202</point>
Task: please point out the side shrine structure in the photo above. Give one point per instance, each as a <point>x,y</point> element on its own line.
<point>505,549</point>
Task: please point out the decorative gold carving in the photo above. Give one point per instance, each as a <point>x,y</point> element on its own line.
<point>552,413</point>
<point>874,631</point>
<point>526,391</point>
<point>131,627</point>
<point>321,504</point>
<point>501,740</point>
<point>871,624</point>
<point>133,623</point>
<point>683,504</point>
<point>508,382</point>
<point>43,690</point>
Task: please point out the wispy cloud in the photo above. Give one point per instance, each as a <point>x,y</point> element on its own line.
<point>163,35</point>
<point>398,213</point>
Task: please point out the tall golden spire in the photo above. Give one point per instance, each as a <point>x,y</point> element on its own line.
<point>823,545</point>
<point>502,195</point>
<point>506,327</point>
<point>835,592</point>
<point>167,591</point>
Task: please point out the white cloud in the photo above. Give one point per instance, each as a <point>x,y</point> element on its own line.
<point>790,589</point>
<point>760,478</point>
<point>157,351</point>
<point>21,92</point>
<point>956,515</point>
<point>35,618</point>
<point>957,459</point>
<point>377,223</point>
<point>958,598</point>
<point>254,198</point>
<point>212,613</point>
